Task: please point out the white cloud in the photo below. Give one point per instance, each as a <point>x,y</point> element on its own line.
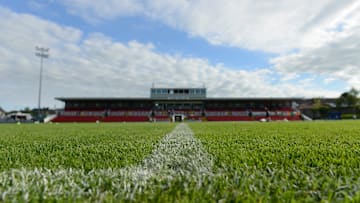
<point>338,58</point>
<point>318,37</point>
<point>274,26</point>
<point>95,11</point>
<point>96,65</point>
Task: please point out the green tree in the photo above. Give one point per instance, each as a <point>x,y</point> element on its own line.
<point>349,99</point>
<point>319,109</point>
<point>26,110</point>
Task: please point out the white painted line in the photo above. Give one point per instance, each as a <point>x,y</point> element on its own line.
<point>178,155</point>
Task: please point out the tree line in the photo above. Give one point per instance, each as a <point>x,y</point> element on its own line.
<point>348,103</point>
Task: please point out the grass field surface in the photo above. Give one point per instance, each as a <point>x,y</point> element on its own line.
<point>81,146</point>
<point>191,162</point>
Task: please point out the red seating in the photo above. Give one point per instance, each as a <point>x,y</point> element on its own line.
<point>230,118</point>
<point>70,119</point>
<point>142,115</point>
<point>125,119</point>
<point>194,117</point>
<point>162,118</point>
<point>64,119</point>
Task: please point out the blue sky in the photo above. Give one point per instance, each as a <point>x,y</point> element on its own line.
<point>165,38</point>
<point>236,48</point>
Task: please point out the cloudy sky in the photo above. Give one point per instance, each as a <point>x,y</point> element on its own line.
<point>236,48</point>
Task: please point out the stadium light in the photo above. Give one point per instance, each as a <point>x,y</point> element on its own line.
<point>41,52</point>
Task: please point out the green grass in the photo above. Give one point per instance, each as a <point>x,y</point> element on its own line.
<point>79,146</point>
<point>252,162</point>
<point>316,161</point>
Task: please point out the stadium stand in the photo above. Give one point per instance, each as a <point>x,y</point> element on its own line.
<point>188,103</point>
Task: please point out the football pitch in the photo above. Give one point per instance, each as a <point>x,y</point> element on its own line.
<point>186,162</point>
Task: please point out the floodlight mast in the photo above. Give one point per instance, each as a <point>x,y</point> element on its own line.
<point>41,52</point>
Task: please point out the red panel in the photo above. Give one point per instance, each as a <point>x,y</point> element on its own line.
<point>255,118</point>
<point>63,119</point>
<point>230,118</point>
<point>125,119</point>
<point>194,117</point>
<point>162,118</point>
<point>166,118</point>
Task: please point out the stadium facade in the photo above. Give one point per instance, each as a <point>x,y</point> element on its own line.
<point>177,104</point>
